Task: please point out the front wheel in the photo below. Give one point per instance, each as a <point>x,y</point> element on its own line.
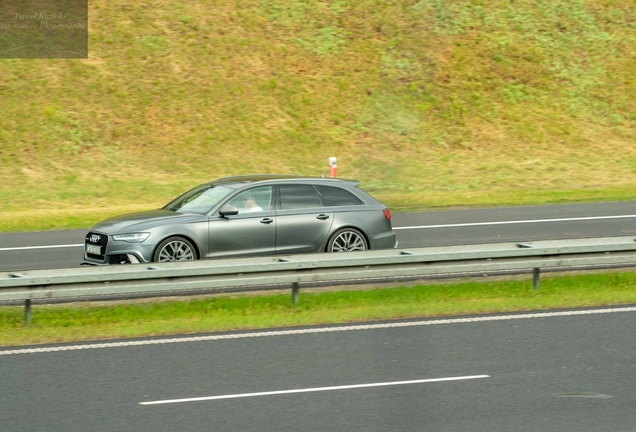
<point>174,249</point>
<point>347,240</point>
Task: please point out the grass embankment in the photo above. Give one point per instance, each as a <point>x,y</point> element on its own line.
<point>428,103</point>
<point>92,321</point>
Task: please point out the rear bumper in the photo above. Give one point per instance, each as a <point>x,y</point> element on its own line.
<point>384,240</point>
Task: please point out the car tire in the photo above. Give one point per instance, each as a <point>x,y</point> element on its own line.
<point>347,240</point>
<point>175,249</point>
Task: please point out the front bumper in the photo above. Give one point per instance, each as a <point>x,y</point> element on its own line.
<point>115,252</point>
<point>129,258</point>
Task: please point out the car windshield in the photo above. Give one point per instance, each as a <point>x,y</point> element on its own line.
<point>199,200</point>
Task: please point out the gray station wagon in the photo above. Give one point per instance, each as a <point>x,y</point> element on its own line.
<point>246,216</point>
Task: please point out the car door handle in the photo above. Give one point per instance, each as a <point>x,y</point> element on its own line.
<point>267,221</point>
<point>322,217</point>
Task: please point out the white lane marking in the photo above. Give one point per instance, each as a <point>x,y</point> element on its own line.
<point>515,222</point>
<point>405,228</point>
<point>314,330</point>
<point>314,389</point>
<point>40,247</point>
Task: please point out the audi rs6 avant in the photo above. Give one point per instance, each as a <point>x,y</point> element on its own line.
<point>246,216</point>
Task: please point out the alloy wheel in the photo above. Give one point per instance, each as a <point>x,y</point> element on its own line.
<point>348,241</point>
<point>176,250</point>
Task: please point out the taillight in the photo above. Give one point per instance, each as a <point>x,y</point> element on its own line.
<point>387,214</point>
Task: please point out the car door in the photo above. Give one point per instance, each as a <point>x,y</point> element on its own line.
<point>251,232</point>
<point>303,221</point>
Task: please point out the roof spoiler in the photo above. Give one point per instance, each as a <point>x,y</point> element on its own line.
<point>352,182</point>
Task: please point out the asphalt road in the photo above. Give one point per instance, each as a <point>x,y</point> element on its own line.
<point>563,371</point>
<point>60,249</point>
<point>500,373</point>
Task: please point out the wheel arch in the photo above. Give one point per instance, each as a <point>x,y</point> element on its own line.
<point>331,234</point>
<point>197,248</point>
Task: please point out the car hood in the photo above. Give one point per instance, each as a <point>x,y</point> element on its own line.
<point>139,221</point>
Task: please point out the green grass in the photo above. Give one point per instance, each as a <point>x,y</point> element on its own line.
<point>429,104</point>
<point>87,321</point>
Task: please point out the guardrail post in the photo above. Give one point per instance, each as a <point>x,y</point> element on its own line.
<point>27,312</point>
<point>535,278</point>
<point>295,289</point>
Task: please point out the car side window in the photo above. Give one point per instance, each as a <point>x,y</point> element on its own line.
<point>335,196</point>
<point>252,200</point>
<point>298,196</point>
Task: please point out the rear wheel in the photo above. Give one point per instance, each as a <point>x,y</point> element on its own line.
<point>174,249</point>
<point>347,240</point>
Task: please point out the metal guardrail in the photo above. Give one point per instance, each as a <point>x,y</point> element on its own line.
<point>247,273</point>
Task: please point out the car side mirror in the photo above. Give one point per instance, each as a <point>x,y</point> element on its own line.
<point>228,211</point>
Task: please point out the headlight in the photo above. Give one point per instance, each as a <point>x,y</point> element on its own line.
<point>132,237</point>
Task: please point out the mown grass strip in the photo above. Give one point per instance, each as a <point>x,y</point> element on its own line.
<point>92,321</point>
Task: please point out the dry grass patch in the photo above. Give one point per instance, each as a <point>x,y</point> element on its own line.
<point>431,97</point>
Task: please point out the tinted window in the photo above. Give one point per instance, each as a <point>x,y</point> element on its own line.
<point>336,196</point>
<point>252,200</point>
<point>299,196</point>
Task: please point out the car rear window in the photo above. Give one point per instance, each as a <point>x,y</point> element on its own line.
<point>335,196</point>
<point>298,196</point>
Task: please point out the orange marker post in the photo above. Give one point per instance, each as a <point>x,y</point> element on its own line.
<point>332,166</point>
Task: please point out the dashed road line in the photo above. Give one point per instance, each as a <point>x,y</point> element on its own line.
<point>311,390</point>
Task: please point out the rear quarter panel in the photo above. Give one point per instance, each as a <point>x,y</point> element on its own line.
<point>370,220</point>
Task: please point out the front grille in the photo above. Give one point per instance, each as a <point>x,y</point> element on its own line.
<point>97,239</point>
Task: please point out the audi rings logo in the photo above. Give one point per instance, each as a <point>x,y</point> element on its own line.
<point>95,238</point>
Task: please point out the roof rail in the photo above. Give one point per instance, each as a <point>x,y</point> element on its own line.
<point>250,178</point>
